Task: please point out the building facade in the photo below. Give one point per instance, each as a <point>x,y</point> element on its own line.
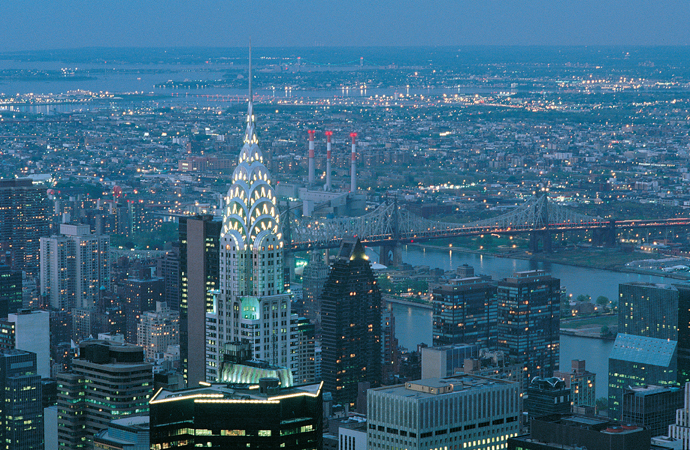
<point>546,396</point>
<point>22,405</point>
<point>529,321</point>
<point>652,407</point>
<point>157,330</point>
<point>465,312</point>
<point>199,278</point>
<point>10,290</point>
<point>108,381</point>
<point>351,320</point>
<point>582,384</point>
<point>24,219</point>
<point>464,411</point>
<point>140,295</point>
<point>75,265</point>
<point>267,417</point>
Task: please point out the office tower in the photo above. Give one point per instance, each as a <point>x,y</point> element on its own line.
<point>21,415</point>
<point>649,313</point>
<point>578,432</point>
<point>313,279</point>
<point>24,218</point>
<point>629,355</point>
<point>463,411</point>
<point>220,418</point>
<point>659,311</point>
<point>546,396</point>
<point>31,333</point>
<point>75,267</point>
<point>529,321</point>
<point>140,295</point>
<point>650,406</point>
<point>199,277</point>
<point>10,290</point>
<point>130,433</point>
<point>446,360</point>
<point>168,267</point>
<point>251,305</point>
<point>306,351</point>
<point>582,384</point>
<point>351,322</point>
<point>108,381</point>
<point>158,329</point>
<point>465,312</point>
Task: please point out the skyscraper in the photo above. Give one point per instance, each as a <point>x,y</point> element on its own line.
<point>24,218</point>
<point>21,416</point>
<point>10,290</point>
<point>313,278</point>
<point>465,313</point>
<point>351,320</point>
<point>199,278</point>
<point>651,317</point>
<point>529,321</point>
<point>140,295</point>
<point>251,305</point>
<point>75,265</point>
<point>158,329</point>
<point>108,381</point>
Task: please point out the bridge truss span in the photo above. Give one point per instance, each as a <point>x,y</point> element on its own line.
<point>390,223</point>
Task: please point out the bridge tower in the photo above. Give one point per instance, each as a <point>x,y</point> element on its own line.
<point>391,254</point>
<point>540,232</point>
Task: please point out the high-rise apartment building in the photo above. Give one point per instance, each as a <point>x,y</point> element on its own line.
<point>75,265</point>
<point>108,380</point>
<point>24,219</point>
<point>251,304</point>
<point>529,321</point>
<point>351,321</point>
<point>168,268</point>
<point>10,290</point>
<point>158,329</point>
<point>199,278</point>
<point>465,313</point>
<point>460,412</point>
<point>21,415</point>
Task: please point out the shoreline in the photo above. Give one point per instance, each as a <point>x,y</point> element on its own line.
<point>522,256</point>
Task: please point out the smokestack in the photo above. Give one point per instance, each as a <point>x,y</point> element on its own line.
<point>353,164</point>
<point>327,187</point>
<point>311,157</point>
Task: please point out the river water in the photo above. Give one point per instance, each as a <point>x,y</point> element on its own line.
<point>414,325</point>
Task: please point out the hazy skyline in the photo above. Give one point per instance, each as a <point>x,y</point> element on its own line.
<point>47,24</point>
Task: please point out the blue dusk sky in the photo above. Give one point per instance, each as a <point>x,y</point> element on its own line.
<point>58,24</point>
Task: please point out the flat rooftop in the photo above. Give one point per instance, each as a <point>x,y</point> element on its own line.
<point>220,392</point>
<point>432,387</point>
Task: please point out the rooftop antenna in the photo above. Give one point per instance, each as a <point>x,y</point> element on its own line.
<point>250,134</point>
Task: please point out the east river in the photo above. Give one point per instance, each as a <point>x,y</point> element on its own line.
<point>413,324</point>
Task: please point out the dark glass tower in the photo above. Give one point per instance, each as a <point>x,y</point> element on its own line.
<point>21,396</point>
<point>351,321</point>
<point>10,290</point>
<point>465,313</point>
<point>199,272</point>
<point>529,321</point>
<point>24,218</point>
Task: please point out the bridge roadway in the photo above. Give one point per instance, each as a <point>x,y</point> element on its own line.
<point>389,239</point>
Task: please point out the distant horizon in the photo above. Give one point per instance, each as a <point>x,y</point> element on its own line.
<point>74,24</point>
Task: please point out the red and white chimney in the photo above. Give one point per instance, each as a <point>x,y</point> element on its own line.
<point>311,157</point>
<point>327,187</point>
<point>353,163</point>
